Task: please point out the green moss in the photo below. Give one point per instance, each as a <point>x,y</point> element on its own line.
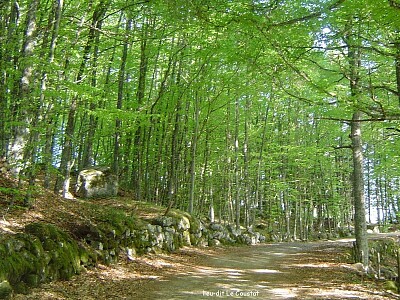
<point>5,289</point>
<point>15,266</point>
<point>35,247</point>
<point>118,219</point>
<point>195,225</point>
<point>175,213</point>
<point>64,251</point>
<point>21,288</point>
<point>391,286</point>
<point>32,280</point>
<point>47,231</point>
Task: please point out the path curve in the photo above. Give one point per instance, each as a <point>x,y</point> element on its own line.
<point>273,271</point>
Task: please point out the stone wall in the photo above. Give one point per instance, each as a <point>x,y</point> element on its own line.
<point>43,252</point>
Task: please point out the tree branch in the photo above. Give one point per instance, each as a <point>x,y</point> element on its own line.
<point>385,87</point>
<point>307,17</point>
<point>394,4</point>
<point>382,119</point>
<point>342,147</point>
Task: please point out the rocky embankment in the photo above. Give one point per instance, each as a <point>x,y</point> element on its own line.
<point>43,252</point>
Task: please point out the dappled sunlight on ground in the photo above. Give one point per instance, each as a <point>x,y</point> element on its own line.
<point>8,224</point>
<point>283,293</point>
<point>264,271</point>
<point>290,273</point>
<point>278,271</point>
<point>320,265</point>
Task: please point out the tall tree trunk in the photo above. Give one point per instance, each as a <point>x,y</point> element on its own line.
<point>49,145</point>
<point>139,140</point>
<point>120,97</point>
<point>193,152</point>
<point>258,196</point>
<point>358,190</point>
<point>397,65</point>
<point>236,166</point>
<point>87,155</point>
<point>41,112</point>
<point>246,158</point>
<point>354,56</point>
<point>23,104</point>
<point>67,161</point>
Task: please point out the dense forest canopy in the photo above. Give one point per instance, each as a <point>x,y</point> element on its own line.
<point>286,111</point>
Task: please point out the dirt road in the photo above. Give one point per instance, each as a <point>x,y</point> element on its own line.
<point>317,270</point>
<point>273,271</point>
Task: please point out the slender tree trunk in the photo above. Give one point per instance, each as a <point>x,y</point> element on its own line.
<point>228,167</point>
<point>397,66</point>
<point>193,154</point>
<point>236,166</point>
<point>259,196</point>
<point>120,97</point>
<point>246,158</point>
<point>139,140</point>
<point>354,56</point>
<point>67,161</point>
<point>42,113</point>
<point>87,153</point>
<point>358,190</point>
<point>49,144</point>
<point>23,103</point>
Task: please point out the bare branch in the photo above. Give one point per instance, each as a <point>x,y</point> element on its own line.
<point>342,147</point>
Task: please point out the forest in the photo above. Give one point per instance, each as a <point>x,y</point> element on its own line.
<point>282,111</point>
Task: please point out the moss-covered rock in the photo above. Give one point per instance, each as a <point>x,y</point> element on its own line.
<point>17,260</point>
<point>391,286</point>
<point>42,254</point>
<point>65,254</point>
<point>97,182</point>
<point>5,289</point>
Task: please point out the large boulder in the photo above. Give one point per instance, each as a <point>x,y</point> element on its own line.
<point>97,182</point>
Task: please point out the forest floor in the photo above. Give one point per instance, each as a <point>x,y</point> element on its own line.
<point>297,270</point>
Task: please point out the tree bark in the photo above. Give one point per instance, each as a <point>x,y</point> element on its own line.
<point>121,83</point>
<point>237,168</point>
<point>193,151</point>
<point>397,66</point>
<point>9,18</point>
<point>22,102</point>
<point>354,57</point>
<point>358,190</point>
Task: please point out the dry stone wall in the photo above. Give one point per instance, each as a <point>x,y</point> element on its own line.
<point>43,252</point>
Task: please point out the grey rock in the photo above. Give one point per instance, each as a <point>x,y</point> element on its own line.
<point>216,227</point>
<point>97,182</point>
<point>130,253</point>
<point>163,221</point>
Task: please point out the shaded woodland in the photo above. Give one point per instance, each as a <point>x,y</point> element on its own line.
<point>285,112</point>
